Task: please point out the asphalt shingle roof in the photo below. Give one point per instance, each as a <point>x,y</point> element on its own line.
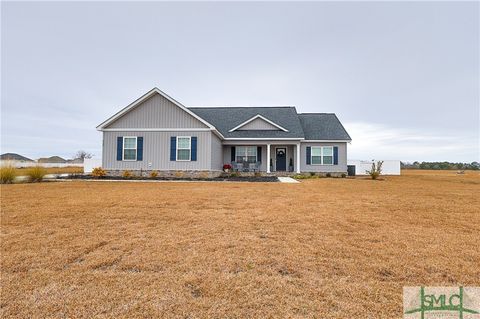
<point>322,126</point>
<point>310,126</point>
<point>226,118</point>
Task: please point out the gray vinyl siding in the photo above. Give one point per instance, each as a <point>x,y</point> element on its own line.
<point>217,153</point>
<point>156,151</point>
<point>258,124</point>
<point>157,112</point>
<point>342,158</point>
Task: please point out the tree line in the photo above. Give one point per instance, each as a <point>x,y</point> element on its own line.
<point>441,165</point>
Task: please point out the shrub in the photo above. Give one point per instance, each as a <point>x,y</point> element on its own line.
<point>178,174</point>
<point>257,174</point>
<point>36,173</point>
<point>376,170</point>
<point>7,174</point>
<point>204,175</point>
<point>127,174</point>
<point>344,175</point>
<point>328,175</point>
<point>98,172</point>
<point>312,173</point>
<point>234,174</point>
<point>153,174</point>
<point>301,176</point>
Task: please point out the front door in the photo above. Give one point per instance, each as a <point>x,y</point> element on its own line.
<point>281,159</point>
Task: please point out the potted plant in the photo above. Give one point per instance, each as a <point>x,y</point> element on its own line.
<point>290,165</point>
<point>227,168</point>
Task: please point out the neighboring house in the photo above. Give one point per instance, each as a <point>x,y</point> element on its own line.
<point>14,157</point>
<point>156,132</point>
<point>52,159</point>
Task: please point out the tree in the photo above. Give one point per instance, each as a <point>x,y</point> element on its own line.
<point>83,155</point>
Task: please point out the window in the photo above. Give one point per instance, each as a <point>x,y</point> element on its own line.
<point>184,148</point>
<point>327,155</point>
<point>130,148</point>
<point>316,155</point>
<point>322,155</point>
<point>246,154</point>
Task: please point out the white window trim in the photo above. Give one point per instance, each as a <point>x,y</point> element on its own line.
<point>190,148</point>
<point>256,117</point>
<point>123,149</point>
<point>244,155</point>
<point>321,155</point>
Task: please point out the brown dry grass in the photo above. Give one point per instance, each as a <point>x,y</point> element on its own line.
<point>325,248</point>
<point>52,170</point>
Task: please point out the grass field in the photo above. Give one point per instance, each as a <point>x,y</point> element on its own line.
<point>324,248</point>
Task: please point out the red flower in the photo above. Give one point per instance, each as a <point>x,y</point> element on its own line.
<point>227,166</point>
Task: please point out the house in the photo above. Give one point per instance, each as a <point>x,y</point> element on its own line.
<point>14,157</point>
<point>156,132</point>
<point>52,159</point>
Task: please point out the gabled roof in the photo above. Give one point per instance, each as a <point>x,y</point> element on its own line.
<point>227,118</point>
<point>144,97</point>
<point>226,122</point>
<point>258,116</point>
<point>323,126</point>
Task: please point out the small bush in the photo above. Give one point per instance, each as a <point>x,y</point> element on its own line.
<point>312,173</point>
<point>98,172</point>
<point>257,174</point>
<point>153,174</point>
<point>376,170</point>
<point>301,176</point>
<point>36,173</point>
<point>235,174</point>
<point>204,175</point>
<point>127,174</point>
<point>344,175</point>
<point>328,175</point>
<point>7,174</point>
<point>178,174</point>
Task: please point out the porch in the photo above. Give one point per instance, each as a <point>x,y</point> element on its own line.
<point>281,158</point>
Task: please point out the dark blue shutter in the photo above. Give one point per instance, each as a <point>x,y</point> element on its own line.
<point>259,153</point>
<point>194,148</point>
<point>309,153</point>
<point>173,148</point>
<point>140,148</point>
<point>335,155</point>
<point>119,147</point>
<point>232,154</point>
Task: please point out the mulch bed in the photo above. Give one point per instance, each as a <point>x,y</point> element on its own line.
<point>262,179</point>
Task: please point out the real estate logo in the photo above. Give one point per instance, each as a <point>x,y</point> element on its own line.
<point>441,302</point>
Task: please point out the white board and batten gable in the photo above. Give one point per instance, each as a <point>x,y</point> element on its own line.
<point>258,122</point>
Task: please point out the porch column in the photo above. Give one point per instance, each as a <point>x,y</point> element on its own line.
<point>268,158</point>
<point>298,158</point>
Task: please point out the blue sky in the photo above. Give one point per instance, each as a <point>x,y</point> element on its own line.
<point>403,77</point>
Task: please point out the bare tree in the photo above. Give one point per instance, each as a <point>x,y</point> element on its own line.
<point>83,155</point>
